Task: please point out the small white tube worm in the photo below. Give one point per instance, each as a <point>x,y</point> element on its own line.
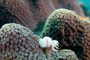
<point>55,45</point>
<point>49,45</point>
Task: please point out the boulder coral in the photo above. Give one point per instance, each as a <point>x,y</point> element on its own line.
<point>30,12</point>
<point>70,30</point>
<point>16,11</point>
<point>19,43</point>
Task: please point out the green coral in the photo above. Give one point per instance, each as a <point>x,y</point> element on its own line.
<point>70,30</point>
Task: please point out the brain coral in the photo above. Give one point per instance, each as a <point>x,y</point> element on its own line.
<point>19,43</point>
<point>70,30</point>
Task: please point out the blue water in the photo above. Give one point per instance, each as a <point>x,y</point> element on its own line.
<point>87,3</point>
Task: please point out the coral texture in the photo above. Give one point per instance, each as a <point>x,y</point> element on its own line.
<point>70,30</point>
<point>69,4</point>
<point>64,54</point>
<point>19,43</point>
<point>30,12</point>
<point>16,11</point>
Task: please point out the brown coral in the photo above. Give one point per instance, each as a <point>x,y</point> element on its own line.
<point>19,43</point>
<point>86,41</point>
<point>24,12</point>
<point>16,11</point>
<point>30,12</point>
<point>70,30</point>
<point>69,4</point>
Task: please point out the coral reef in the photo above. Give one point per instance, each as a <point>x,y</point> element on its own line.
<point>19,43</point>
<point>69,4</point>
<point>64,54</point>
<point>30,12</point>
<point>16,11</point>
<point>70,30</point>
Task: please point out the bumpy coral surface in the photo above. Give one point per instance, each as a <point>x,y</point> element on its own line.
<point>16,11</point>
<point>69,4</point>
<point>30,12</point>
<point>64,54</point>
<point>70,30</point>
<point>19,43</point>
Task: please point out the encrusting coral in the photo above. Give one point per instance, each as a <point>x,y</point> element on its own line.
<point>70,30</point>
<point>67,55</point>
<point>19,43</point>
<point>64,54</point>
<point>16,11</point>
<point>30,12</point>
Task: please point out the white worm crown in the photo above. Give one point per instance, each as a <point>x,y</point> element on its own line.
<point>48,42</point>
<point>45,42</point>
<point>55,45</point>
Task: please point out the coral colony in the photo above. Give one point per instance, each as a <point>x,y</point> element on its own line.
<point>19,43</point>
<point>71,31</point>
<point>30,12</point>
<point>65,36</point>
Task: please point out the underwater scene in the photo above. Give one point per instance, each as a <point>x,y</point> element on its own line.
<point>44,29</point>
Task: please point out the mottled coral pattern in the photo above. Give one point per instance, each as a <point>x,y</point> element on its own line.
<point>70,30</point>
<point>19,43</point>
<point>30,12</point>
<point>64,54</point>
